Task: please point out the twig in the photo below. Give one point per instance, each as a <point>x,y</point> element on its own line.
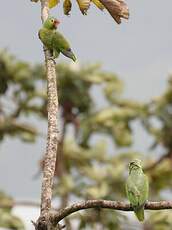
<point>115,205</point>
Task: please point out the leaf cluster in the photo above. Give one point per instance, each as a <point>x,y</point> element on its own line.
<point>7,219</point>
<point>117,8</point>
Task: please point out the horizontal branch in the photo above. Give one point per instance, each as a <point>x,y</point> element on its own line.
<point>115,205</point>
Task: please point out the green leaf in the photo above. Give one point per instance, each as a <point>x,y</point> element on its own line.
<point>7,220</point>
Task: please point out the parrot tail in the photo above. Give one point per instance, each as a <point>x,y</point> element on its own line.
<point>68,53</point>
<point>140,214</point>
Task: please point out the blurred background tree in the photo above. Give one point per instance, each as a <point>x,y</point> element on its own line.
<point>96,138</point>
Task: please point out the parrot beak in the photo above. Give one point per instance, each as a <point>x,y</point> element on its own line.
<point>56,23</point>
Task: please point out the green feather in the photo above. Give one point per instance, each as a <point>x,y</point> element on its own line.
<point>61,44</point>
<point>46,36</point>
<point>137,188</point>
<point>140,214</point>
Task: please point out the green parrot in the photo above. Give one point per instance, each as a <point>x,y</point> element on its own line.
<point>54,40</point>
<point>137,188</point>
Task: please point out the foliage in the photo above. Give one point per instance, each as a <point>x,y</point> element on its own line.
<point>87,167</point>
<point>7,219</point>
<point>117,8</point>
<point>159,220</point>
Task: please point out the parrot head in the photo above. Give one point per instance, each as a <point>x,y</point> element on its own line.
<point>51,23</point>
<point>135,165</point>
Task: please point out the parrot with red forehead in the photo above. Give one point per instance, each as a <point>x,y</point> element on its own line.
<point>54,40</point>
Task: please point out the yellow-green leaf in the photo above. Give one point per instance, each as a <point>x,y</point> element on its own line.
<point>83,5</point>
<point>67,5</point>
<point>53,3</point>
<point>98,4</point>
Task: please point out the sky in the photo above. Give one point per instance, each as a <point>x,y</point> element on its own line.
<point>139,51</point>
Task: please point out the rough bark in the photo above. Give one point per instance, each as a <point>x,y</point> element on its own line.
<point>52,138</point>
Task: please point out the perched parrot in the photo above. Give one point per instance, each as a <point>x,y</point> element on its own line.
<point>137,188</point>
<point>54,40</point>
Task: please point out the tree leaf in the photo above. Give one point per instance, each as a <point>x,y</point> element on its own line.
<point>53,3</point>
<point>83,6</point>
<point>98,4</point>
<point>67,6</point>
<point>117,8</point>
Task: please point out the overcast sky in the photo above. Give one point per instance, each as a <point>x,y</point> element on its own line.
<point>139,51</point>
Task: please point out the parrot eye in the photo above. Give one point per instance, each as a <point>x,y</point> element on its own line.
<point>52,20</point>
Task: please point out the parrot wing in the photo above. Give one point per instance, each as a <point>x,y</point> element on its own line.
<point>133,194</point>
<point>59,41</point>
<point>60,44</point>
<point>135,198</point>
<point>142,186</point>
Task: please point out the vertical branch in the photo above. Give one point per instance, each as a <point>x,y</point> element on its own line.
<point>52,137</point>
